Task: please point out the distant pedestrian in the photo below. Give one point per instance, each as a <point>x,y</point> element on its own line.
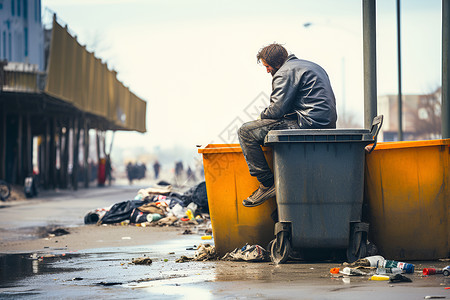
<point>179,169</point>
<point>108,169</point>
<point>156,169</point>
<point>191,175</point>
<point>130,172</point>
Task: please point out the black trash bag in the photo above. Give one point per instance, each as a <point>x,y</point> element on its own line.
<point>198,195</point>
<point>91,218</point>
<point>121,211</point>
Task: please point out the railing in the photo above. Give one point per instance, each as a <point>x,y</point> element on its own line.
<point>19,81</point>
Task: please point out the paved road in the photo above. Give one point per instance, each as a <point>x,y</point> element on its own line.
<point>105,272</point>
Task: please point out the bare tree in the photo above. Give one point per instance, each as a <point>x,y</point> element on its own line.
<point>427,118</point>
<point>97,44</point>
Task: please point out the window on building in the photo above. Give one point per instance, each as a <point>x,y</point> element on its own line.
<point>25,9</point>
<point>36,12</point>
<point>9,47</point>
<point>13,6</point>
<point>25,34</point>
<point>19,7</point>
<point>4,44</point>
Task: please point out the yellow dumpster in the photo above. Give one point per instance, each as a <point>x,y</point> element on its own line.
<point>408,192</point>
<point>228,182</point>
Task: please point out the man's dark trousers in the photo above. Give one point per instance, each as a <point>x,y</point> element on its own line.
<point>251,137</point>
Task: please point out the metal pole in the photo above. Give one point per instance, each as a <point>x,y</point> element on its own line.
<point>445,65</point>
<point>370,62</point>
<point>399,61</point>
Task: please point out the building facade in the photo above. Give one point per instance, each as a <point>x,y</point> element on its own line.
<point>421,116</point>
<point>21,32</point>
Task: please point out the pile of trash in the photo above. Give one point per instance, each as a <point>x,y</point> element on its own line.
<point>156,206</point>
<point>251,253</point>
<point>378,268</point>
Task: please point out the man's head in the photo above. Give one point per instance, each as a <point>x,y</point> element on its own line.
<point>272,57</point>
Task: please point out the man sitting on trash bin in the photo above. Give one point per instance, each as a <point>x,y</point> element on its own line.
<point>301,98</point>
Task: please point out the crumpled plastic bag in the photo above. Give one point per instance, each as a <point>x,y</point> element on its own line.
<point>204,252</point>
<point>248,253</point>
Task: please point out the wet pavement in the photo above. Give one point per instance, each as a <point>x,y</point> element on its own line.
<point>105,273</point>
<point>109,273</point>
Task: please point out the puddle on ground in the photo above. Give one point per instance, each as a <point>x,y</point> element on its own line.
<point>57,273</point>
<point>14,267</point>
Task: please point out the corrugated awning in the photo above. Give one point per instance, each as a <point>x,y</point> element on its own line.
<point>76,76</point>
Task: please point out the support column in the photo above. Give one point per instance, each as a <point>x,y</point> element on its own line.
<point>76,144</point>
<point>19,154</point>
<point>87,172</point>
<point>65,156</point>
<point>370,62</point>
<point>445,108</point>
<point>3,143</point>
<point>29,147</point>
<point>46,161</point>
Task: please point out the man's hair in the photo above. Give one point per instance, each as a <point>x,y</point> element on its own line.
<point>274,55</point>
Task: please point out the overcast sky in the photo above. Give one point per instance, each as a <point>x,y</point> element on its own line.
<point>194,62</point>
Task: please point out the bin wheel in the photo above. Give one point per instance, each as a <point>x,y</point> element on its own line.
<point>280,248</point>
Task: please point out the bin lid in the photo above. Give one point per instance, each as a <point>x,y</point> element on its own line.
<point>223,148</point>
<point>319,135</point>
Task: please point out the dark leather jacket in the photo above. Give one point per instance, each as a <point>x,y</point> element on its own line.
<point>302,89</point>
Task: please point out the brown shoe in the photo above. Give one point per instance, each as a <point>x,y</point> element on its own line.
<point>259,196</point>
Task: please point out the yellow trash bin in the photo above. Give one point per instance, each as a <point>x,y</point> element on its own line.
<point>228,182</point>
<point>407,187</point>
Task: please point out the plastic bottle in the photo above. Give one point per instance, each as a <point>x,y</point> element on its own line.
<point>189,214</point>
<point>375,260</point>
<point>379,277</point>
<point>153,217</point>
<point>351,271</point>
<point>407,268</point>
<point>178,211</point>
<point>433,271</point>
<point>192,206</point>
<point>379,262</point>
<point>384,271</point>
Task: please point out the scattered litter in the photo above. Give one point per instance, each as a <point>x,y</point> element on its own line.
<point>59,232</point>
<point>206,237</point>
<point>388,271</point>
<point>248,253</point>
<point>187,231</point>
<point>77,278</point>
<point>109,283</point>
<point>379,261</point>
<point>334,270</point>
<point>399,278</point>
<point>142,261</point>
<point>126,238</point>
<point>379,277</point>
<point>352,272</point>
<point>204,252</point>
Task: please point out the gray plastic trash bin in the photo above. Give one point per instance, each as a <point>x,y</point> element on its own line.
<point>319,179</point>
